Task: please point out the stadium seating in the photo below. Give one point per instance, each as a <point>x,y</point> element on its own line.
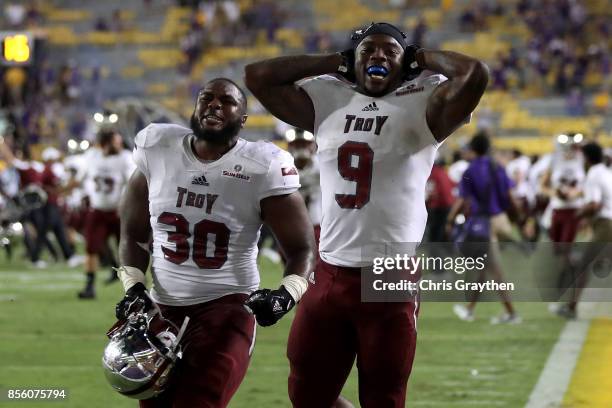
<point>144,58</point>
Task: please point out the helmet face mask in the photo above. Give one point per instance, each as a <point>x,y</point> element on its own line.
<point>301,145</point>
<point>139,357</point>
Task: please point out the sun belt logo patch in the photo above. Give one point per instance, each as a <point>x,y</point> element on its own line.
<point>199,180</point>
<point>236,175</point>
<point>409,90</point>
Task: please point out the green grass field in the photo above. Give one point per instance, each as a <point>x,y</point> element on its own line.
<point>48,338</point>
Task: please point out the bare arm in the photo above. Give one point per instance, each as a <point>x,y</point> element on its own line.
<point>589,209</point>
<point>287,217</point>
<point>135,224</point>
<point>453,100</point>
<point>452,214</point>
<point>545,184</point>
<point>7,153</point>
<point>273,84</point>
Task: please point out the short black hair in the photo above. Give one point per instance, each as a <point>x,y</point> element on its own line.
<point>456,156</point>
<point>593,153</point>
<point>105,136</point>
<point>480,144</point>
<point>231,82</point>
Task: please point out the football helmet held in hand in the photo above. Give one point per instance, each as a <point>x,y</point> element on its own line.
<point>141,353</point>
<point>135,299</point>
<point>269,306</point>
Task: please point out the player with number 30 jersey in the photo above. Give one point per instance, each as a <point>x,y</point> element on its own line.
<point>203,193</point>
<point>205,217</point>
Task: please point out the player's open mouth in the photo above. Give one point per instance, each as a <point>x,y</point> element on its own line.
<point>212,120</point>
<point>377,72</point>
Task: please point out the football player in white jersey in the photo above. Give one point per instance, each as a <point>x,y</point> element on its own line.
<point>562,183</point>
<point>302,147</point>
<point>203,193</point>
<point>104,175</point>
<point>377,139</point>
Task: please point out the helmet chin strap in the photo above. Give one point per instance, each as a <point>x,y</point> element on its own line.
<point>180,334</point>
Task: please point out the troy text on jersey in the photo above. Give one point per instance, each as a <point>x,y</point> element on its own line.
<point>191,199</point>
<point>365,124</point>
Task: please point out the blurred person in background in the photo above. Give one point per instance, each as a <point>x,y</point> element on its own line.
<point>106,171</point>
<point>9,210</point>
<point>460,162</point>
<point>54,221</point>
<point>15,14</point>
<point>518,171</point>
<point>301,145</point>
<point>563,185</point>
<point>439,199</point>
<point>76,201</point>
<point>485,196</point>
<point>32,199</point>
<point>15,80</point>
<point>597,211</point>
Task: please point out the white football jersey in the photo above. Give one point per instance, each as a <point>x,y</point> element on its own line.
<point>567,173</point>
<point>311,190</point>
<point>375,156</point>
<point>518,170</point>
<point>104,177</point>
<point>74,199</point>
<point>206,217</point>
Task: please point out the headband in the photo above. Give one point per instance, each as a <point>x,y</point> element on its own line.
<point>379,28</point>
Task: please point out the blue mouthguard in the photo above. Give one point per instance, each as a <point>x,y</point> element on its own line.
<point>377,70</point>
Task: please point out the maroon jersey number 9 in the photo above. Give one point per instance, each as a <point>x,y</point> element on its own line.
<point>360,173</point>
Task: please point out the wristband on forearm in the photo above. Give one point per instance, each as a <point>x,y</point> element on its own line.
<point>129,276</point>
<point>295,285</point>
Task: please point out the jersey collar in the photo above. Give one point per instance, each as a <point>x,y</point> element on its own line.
<point>189,153</point>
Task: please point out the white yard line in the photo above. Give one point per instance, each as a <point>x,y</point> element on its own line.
<point>42,274</point>
<point>557,373</point>
<point>81,367</point>
<point>458,401</point>
<point>35,287</point>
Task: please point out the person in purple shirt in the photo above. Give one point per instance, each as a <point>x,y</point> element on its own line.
<point>484,197</point>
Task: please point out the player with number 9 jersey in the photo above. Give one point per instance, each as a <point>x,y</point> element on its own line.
<point>378,122</point>
<point>366,149</point>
